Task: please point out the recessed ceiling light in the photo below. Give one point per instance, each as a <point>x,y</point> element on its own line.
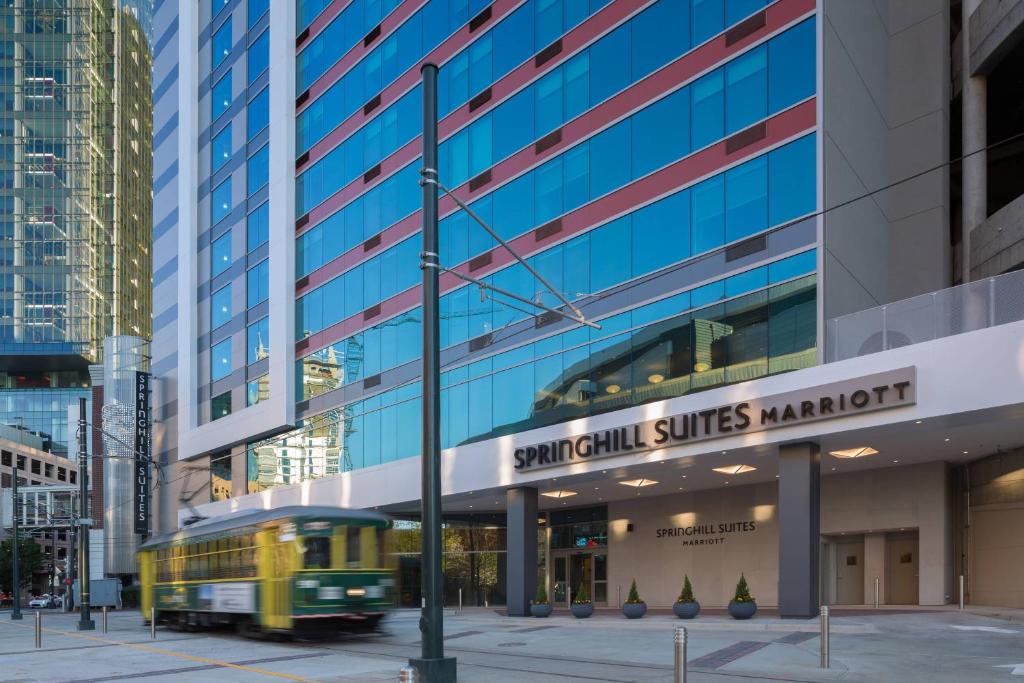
<point>833,469</point>
<point>470,506</point>
<point>680,488</point>
<point>858,452</point>
<point>701,367</point>
<point>597,488</point>
<point>656,378</point>
<point>561,493</point>
<point>638,483</point>
<point>965,452</point>
<point>918,422</point>
<point>896,460</point>
<point>724,452</point>
<point>613,388</point>
<point>735,469</point>
<point>947,439</point>
<point>684,476</point>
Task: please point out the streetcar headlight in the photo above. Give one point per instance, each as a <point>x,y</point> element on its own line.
<point>355,592</point>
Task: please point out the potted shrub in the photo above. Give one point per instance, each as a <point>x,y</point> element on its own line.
<point>634,607</point>
<point>742,606</point>
<point>540,607</point>
<point>582,607</point>
<point>685,606</point>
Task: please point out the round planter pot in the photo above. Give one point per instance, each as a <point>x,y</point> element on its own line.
<point>634,610</point>
<point>742,610</point>
<point>583,610</point>
<point>540,610</point>
<point>686,610</point>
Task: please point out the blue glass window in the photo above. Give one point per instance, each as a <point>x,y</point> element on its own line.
<point>220,307</point>
<point>216,6</point>
<point>221,43</point>
<point>220,360</point>
<point>257,283</point>
<point>746,89</point>
<point>220,202</point>
<point>220,254</point>
<point>258,57</point>
<point>609,65</point>
<point>257,344</point>
<point>258,113</point>
<point>708,114</point>
<point>793,192</point>
<point>257,390</point>
<point>659,33</point>
<point>735,10</point>
<point>791,66</point>
<point>661,133</point>
<point>708,217</point>
<point>746,199</point>
<point>220,149</point>
<point>257,170</point>
<point>220,97</point>
<point>256,10</point>
<point>661,233</point>
<point>257,226</point>
<point>708,19</point>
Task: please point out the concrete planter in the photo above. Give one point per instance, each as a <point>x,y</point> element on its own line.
<point>634,610</point>
<point>686,610</point>
<point>582,610</point>
<point>742,610</point>
<point>540,610</point>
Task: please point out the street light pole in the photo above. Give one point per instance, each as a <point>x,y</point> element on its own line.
<point>15,558</point>
<point>432,665</point>
<point>84,622</point>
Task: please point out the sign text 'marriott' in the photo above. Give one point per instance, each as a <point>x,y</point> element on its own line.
<point>873,392</point>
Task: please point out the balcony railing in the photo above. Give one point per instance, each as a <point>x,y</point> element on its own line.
<point>965,308</point>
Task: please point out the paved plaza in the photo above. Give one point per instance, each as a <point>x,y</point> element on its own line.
<point>934,646</point>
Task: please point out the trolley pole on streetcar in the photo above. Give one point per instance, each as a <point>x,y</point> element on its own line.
<point>85,623</point>
<point>432,665</point>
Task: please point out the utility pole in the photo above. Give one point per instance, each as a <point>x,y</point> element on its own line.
<point>432,665</point>
<point>15,558</point>
<point>84,622</point>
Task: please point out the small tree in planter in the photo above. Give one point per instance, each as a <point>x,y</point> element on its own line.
<point>540,607</point>
<point>742,605</point>
<point>634,607</point>
<point>686,607</point>
<point>582,607</point>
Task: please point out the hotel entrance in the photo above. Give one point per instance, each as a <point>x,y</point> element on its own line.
<point>571,570</point>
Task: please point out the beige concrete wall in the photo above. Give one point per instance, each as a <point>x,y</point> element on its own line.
<point>658,564</point>
<point>869,503</point>
<point>997,555</point>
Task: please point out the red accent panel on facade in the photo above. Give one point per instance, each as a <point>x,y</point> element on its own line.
<point>788,124</point>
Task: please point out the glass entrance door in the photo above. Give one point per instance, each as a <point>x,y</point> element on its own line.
<point>575,569</point>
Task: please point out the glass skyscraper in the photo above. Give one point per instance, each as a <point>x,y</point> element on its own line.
<point>75,187</point>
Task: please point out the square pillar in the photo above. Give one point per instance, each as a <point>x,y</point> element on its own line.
<point>521,547</point>
<point>799,516</point>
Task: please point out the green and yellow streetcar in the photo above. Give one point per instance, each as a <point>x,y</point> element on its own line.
<point>297,570</point>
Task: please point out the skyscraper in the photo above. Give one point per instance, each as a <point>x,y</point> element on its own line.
<point>75,199</point>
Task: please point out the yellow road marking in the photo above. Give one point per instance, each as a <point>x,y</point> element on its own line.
<point>170,653</point>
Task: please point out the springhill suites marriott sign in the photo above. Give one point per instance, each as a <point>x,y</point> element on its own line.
<point>880,391</point>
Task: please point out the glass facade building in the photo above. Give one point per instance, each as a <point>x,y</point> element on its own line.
<point>76,190</point>
<point>656,161</point>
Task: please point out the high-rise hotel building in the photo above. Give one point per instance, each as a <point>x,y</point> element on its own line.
<point>736,191</point>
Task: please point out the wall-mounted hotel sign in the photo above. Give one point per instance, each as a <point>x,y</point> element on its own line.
<point>891,389</point>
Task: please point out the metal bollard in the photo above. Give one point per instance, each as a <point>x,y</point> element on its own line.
<point>961,592</point>
<point>680,643</point>
<point>407,674</point>
<point>824,636</point>
<point>152,623</point>
<point>876,592</point>
<point>39,630</point>
<point>104,618</point>
<point>460,602</point>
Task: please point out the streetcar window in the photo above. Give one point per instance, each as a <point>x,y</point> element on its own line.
<point>352,546</point>
<point>318,552</point>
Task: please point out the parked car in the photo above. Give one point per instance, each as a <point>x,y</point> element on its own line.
<point>43,601</point>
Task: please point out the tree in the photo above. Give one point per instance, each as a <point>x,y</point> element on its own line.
<point>30,560</point>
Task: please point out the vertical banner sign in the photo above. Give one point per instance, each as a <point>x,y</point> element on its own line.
<point>143,445</point>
